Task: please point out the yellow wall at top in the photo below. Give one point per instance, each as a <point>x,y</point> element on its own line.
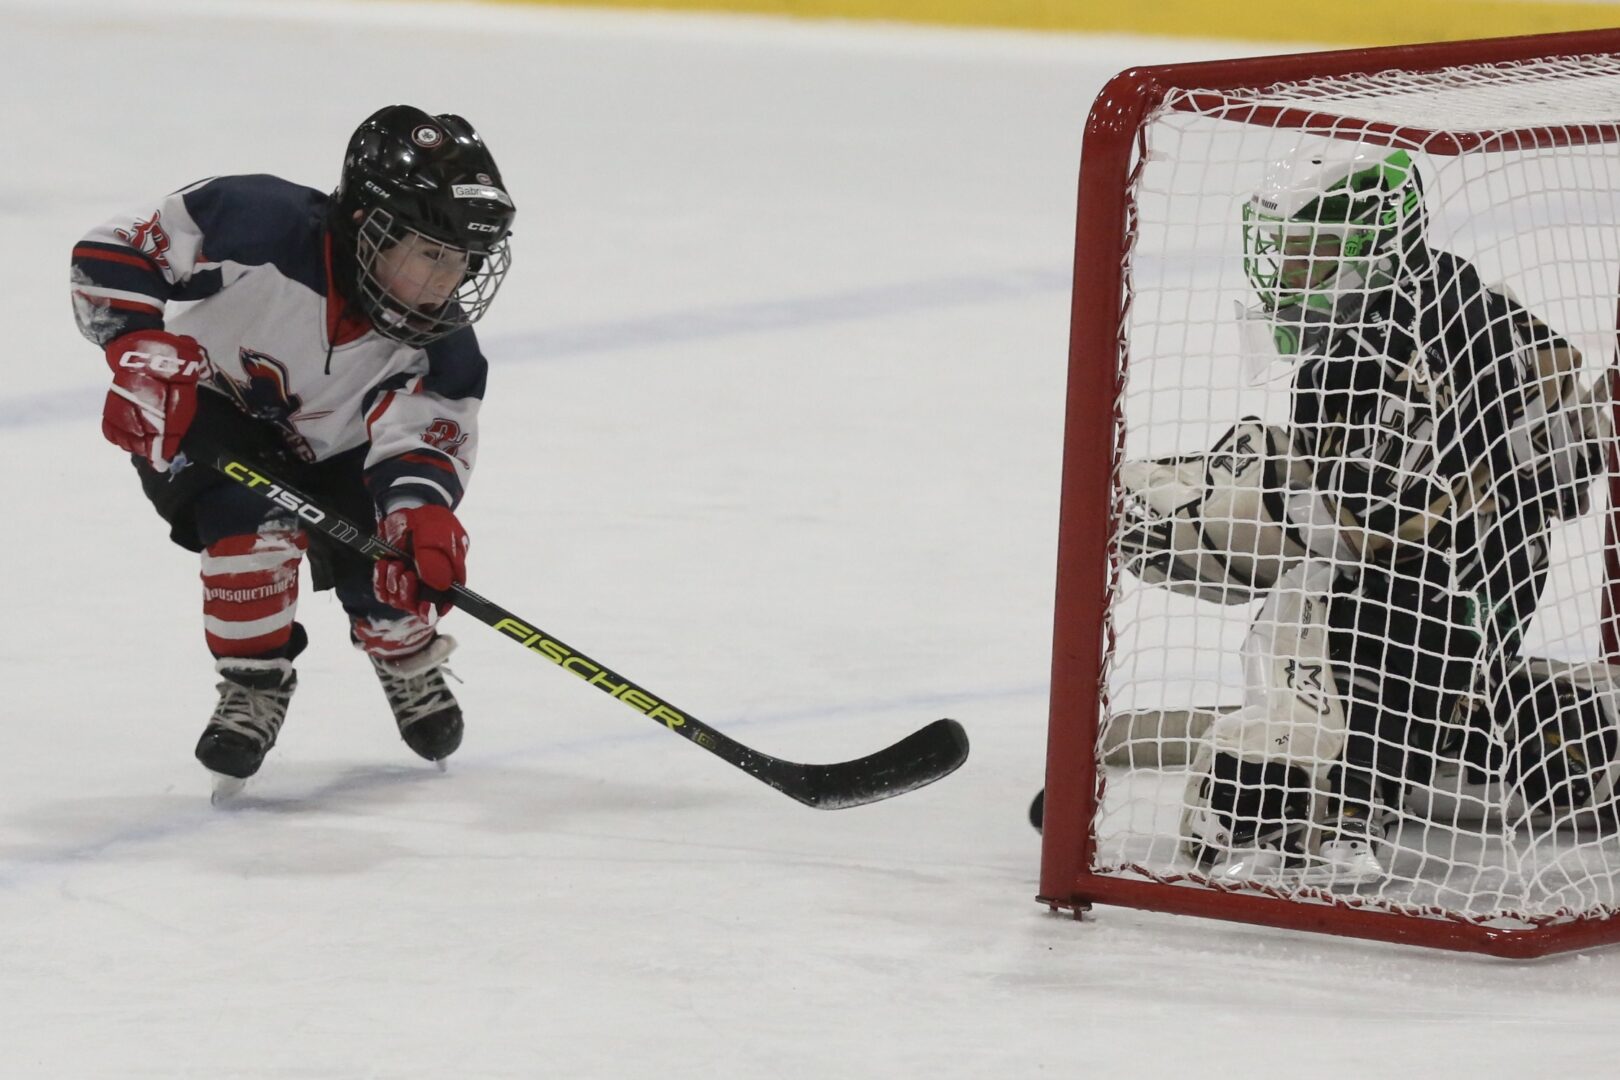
<point>1346,22</point>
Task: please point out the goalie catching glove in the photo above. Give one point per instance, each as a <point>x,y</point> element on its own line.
<point>1218,525</point>
<point>153,397</point>
<point>435,546</point>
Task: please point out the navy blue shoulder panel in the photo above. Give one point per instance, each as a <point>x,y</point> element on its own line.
<point>456,366</point>
<point>259,219</point>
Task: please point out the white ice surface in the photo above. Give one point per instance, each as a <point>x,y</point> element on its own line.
<point>773,426</point>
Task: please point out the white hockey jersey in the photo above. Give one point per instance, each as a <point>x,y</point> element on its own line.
<point>244,265</point>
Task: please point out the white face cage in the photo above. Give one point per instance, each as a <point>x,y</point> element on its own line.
<point>418,289</point>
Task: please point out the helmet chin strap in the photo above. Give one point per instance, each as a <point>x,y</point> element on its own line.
<point>393,317</point>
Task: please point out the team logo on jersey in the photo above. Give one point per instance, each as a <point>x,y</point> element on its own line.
<point>148,238</point>
<point>427,136</point>
<point>265,393</point>
<point>444,435</point>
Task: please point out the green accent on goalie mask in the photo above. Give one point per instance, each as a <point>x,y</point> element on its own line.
<point>1323,233</point>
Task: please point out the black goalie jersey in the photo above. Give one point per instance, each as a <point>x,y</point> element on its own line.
<point>1441,432</point>
<point>1442,436</point>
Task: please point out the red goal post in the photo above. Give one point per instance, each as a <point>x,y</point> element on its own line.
<point>1114,154</point>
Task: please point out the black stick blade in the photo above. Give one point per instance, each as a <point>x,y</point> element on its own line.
<point>917,760</point>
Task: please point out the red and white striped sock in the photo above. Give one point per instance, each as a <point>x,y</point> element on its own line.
<point>394,639</point>
<point>250,590</point>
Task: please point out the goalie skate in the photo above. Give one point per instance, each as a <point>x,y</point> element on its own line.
<point>1244,820</point>
<point>1348,855</point>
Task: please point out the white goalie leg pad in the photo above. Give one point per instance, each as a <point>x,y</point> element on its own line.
<point>1291,710</point>
<point>1211,525</point>
<point>1289,731</point>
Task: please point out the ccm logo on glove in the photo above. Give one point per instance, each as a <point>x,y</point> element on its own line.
<point>153,397</point>
<point>165,366</point>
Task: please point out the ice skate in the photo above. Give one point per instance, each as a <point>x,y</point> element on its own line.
<point>424,708</point>
<point>1251,863</point>
<point>253,700</point>
<point>1252,852</point>
<point>1348,854</point>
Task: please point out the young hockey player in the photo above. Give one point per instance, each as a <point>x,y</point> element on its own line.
<point>330,335</point>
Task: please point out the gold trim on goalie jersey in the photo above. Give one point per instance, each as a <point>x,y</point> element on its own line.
<point>1467,494</point>
<point>1369,22</point>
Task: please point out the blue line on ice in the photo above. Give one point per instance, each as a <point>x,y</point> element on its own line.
<point>701,324</point>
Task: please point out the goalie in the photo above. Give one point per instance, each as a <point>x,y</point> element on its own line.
<point>1396,528</point>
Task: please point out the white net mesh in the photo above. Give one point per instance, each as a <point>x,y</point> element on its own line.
<point>1356,647</point>
<point>1559,92</point>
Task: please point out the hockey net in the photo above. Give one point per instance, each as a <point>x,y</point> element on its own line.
<point>1517,145</point>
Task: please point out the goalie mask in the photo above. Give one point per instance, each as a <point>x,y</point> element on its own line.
<point>422,219</point>
<point>1326,232</point>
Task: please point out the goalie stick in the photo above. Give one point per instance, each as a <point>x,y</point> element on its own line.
<point>926,755</point>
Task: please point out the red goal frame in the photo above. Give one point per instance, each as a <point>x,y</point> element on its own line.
<point>1093,440</point>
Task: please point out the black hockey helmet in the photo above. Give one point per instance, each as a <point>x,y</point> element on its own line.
<point>428,183</point>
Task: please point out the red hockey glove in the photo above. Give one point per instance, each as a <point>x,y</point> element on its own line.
<point>154,393</point>
<point>435,546</point>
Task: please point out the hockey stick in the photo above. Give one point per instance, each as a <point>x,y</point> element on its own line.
<point>920,758</point>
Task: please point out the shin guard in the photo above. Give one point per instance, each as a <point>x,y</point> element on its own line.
<point>250,592</point>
